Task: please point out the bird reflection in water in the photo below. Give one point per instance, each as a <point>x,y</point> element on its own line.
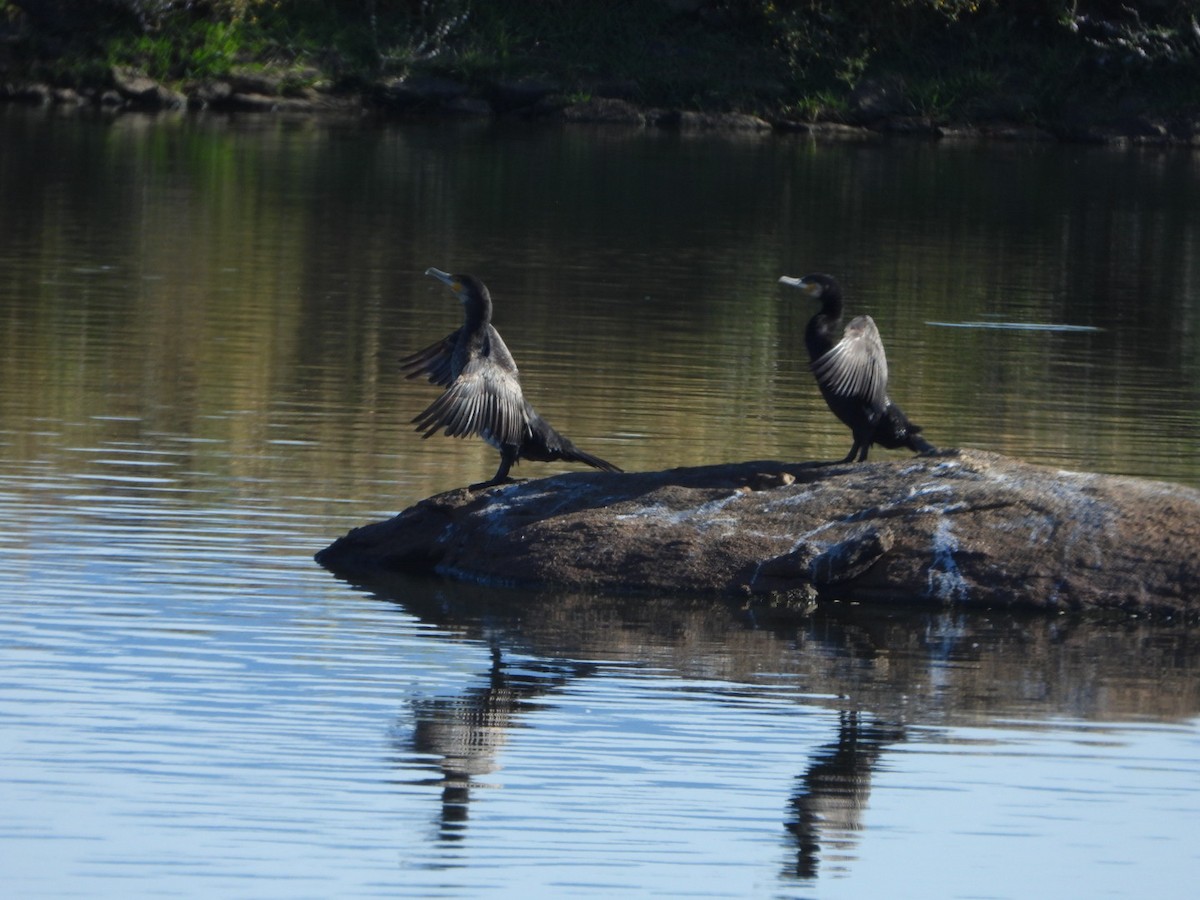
<point>826,807</point>
<point>465,733</point>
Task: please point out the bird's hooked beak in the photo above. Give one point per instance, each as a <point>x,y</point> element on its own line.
<point>812,288</point>
<point>447,279</point>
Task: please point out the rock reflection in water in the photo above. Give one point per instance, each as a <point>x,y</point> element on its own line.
<point>884,671</point>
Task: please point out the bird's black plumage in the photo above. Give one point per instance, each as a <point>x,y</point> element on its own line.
<point>852,373</point>
<point>483,389</point>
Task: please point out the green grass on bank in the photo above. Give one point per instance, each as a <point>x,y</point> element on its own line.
<point>1023,60</point>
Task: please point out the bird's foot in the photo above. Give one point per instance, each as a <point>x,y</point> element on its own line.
<point>495,482</point>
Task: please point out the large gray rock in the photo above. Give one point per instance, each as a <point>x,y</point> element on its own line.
<point>965,528</point>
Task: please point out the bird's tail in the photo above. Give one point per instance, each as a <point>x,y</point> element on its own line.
<point>916,443</point>
<point>896,431</point>
<point>545,444</point>
<point>572,453</point>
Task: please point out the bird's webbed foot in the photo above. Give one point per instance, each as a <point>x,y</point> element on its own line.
<point>508,456</point>
<point>495,482</point>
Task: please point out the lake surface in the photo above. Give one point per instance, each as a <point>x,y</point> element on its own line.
<point>199,389</point>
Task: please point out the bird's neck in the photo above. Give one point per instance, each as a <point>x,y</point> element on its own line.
<point>821,333</point>
<point>478,315</point>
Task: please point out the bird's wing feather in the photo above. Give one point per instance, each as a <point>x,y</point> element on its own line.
<point>485,400</point>
<point>498,351</point>
<point>856,366</point>
<point>433,362</point>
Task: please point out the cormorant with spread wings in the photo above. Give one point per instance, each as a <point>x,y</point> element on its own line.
<point>483,391</point>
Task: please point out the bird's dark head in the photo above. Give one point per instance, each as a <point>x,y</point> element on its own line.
<point>470,291</point>
<point>817,285</point>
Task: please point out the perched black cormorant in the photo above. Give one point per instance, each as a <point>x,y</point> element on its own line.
<point>853,374</point>
<point>483,391</point>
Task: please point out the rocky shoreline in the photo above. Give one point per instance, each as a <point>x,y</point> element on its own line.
<point>286,92</point>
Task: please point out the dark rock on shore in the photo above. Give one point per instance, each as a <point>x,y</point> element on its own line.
<point>828,131</point>
<point>522,93</point>
<point>146,93</point>
<point>419,92</point>
<point>698,121</point>
<point>964,528</point>
<point>604,110</point>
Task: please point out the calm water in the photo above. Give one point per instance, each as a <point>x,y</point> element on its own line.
<point>199,389</point>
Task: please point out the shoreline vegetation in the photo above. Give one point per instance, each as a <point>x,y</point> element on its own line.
<point>1101,71</point>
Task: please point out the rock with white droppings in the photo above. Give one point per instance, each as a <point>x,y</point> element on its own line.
<point>961,528</point>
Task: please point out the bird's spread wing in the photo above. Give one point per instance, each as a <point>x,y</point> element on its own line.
<point>856,366</point>
<point>497,350</point>
<point>484,399</point>
<point>433,362</point>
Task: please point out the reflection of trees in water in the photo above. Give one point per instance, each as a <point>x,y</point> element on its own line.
<point>467,731</point>
<point>825,811</point>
